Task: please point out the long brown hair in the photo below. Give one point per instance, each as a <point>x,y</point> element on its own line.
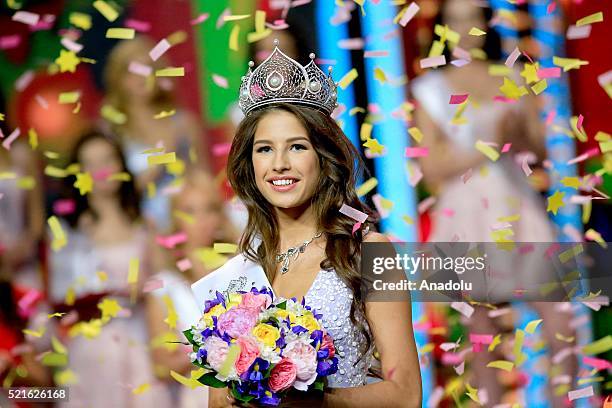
<point>340,165</point>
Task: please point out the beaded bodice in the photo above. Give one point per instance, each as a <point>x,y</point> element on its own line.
<point>330,296</point>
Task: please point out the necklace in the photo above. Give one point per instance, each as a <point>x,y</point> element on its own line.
<point>293,252</point>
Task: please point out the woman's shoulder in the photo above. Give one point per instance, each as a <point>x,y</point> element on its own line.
<point>373,236</point>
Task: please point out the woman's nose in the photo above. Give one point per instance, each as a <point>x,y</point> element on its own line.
<point>281,161</point>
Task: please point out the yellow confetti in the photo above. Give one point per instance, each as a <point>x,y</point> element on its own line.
<point>563,338</point>
<point>232,355</point>
<point>595,236</point>
<point>257,36</point>
<point>590,19</point>
<point>59,237</point>
<point>457,118</point>
<point>472,393</point>
<point>106,10</point>
<point>102,276</point>
<point>84,182</point>
<point>7,175</point>
<point>151,189</point>
<point>170,72</point>
<point>511,90</point>
<point>530,72</point>
<point>192,382</point>
<point>26,183</point>
<point>69,97</point>
<point>57,314</point>
<point>599,346</point>
<point>476,31</point>
<point>113,115</point>
<point>183,216</point>
<point>260,21</point>
<point>67,61</point>
<point>209,257</point>
<point>348,78</point>
<point>375,147</point>
<point>519,356</point>
<point>416,134</point>
<point>555,201</point>
<point>54,359</point>
<point>233,39</point>
<point>133,271</point>
<point>141,389</point>
<point>120,33</point>
<point>224,248</point>
<point>65,377</point>
<point>35,333</point>
<point>427,348</point>
<point>568,63</point>
<point>437,48</point>
<point>496,341</point>
<point>502,365</point>
<point>379,75</point>
<point>580,134</point>
<point>123,176</point>
<point>177,37</point>
<point>487,150</point>
<point>539,87</point>
<point>499,70</point>
<point>161,159</point>
<point>237,17</point>
<point>367,186</point>
<point>571,253</point>
<point>366,131</point>
<point>532,326</point>
<point>408,219</point>
<point>573,182</point>
<point>165,114</point>
<point>109,308</point>
<point>446,34</point>
<point>172,316</point>
<point>70,296</point>
<point>80,20</point>
<point>356,110</point>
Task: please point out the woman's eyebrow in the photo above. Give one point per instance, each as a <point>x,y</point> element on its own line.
<point>291,139</point>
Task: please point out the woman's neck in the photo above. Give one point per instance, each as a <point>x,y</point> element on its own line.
<point>296,225</point>
<point>105,206</point>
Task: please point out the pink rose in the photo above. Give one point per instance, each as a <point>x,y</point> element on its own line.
<point>304,356</point>
<point>328,343</point>
<point>282,375</point>
<point>249,351</point>
<point>237,321</point>
<point>253,301</point>
<point>216,351</point>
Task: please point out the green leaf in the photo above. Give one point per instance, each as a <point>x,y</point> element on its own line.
<point>282,305</point>
<point>188,335</point>
<point>318,385</point>
<point>212,381</point>
<point>239,397</point>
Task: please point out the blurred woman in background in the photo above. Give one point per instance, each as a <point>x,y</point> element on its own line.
<point>100,269</point>
<point>140,97</point>
<point>203,223</point>
<point>474,194</point>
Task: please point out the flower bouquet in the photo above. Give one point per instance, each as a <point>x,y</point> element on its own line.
<point>260,347</point>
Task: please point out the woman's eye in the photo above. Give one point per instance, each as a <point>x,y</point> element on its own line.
<point>263,149</point>
<point>298,146</point>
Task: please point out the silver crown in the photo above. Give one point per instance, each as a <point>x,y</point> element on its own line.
<point>282,79</point>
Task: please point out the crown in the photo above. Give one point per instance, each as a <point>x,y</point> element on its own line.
<point>282,79</point>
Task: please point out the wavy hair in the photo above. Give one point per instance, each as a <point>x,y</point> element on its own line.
<point>340,165</point>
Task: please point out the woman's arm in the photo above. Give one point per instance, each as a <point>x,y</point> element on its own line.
<point>391,326</point>
<point>443,161</point>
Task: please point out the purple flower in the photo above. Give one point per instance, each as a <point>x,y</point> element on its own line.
<point>327,367</point>
<point>297,329</point>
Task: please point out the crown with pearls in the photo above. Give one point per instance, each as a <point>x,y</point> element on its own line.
<point>282,79</point>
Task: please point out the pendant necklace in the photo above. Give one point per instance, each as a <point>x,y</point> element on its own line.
<point>292,253</point>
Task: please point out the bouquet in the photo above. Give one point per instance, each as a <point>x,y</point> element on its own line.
<point>260,347</point>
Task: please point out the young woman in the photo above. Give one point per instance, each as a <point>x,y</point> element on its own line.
<point>109,359</point>
<point>476,191</point>
<point>293,168</point>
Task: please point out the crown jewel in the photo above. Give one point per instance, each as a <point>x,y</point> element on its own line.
<point>282,79</point>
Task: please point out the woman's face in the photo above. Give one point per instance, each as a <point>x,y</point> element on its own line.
<point>285,162</point>
<point>461,16</point>
<point>99,158</point>
<point>206,213</point>
<point>136,87</point>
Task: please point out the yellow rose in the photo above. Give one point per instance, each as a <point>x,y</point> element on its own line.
<point>281,314</point>
<point>266,334</point>
<point>234,300</point>
<point>309,322</point>
<point>216,311</point>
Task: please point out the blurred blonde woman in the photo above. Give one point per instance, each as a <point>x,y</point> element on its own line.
<point>203,223</point>
<point>140,97</point>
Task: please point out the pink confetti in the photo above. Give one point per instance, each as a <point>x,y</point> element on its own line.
<point>554,72</point>
<point>526,248</point>
<point>351,44</point>
<point>481,338</point>
<point>221,149</point>
<point>377,200</point>
<point>512,57</point>
<point>297,3</point>
<point>460,53</point>
<point>499,312</point>
<point>152,284</point>
<point>577,33</point>
<point>24,80</point>
<point>550,117</point>
<point>9,41</point>
<point>171,241</point>
<point>506,148</point>
<point>184,264</point>
<point>458,99</point>
<point>527,56</point>
<point>220,81</point>
<point>71,45</point>
<point>503,99</point>
<point>278,25</point>
<point>525,166</point>
<point>138,68</point>
<point>199,19</point>
<point>598,363</point>
<point>579,122</point>
<point>11,138</point>
<point>589,153</point>
<point>604,78</point>
<point>467,175</point>
<point>447,212</point>
<point>26,17</point>
<point>159,49</point>
<point>432,62</point>
<point>460,368</point>
<point>64,206</point>
<point>41,101</point>
<point>551,7</point>
<point>435,397</point>
<point>410,12</point>
<point>338,111</point>
<point>412,152</point>
<point>415,175</point>
<point>141,26</point>
<point>460,62</point>
<point>580,393</point>
<point>221,19</point>
<point>102,174</point>
<point>463,308</point>
<point>356,227</point>
<point>375,54</point>
<point>353,213</point>
<point>426,204</point>
<point>27,301</point>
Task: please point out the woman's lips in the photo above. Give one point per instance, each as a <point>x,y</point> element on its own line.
<point>282,189</point>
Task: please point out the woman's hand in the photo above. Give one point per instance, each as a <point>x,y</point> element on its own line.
<point>221,398</point>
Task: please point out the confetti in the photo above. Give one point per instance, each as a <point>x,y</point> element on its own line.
<point>170,72</point>
<point>161,159</point>
<point>426,204</point>
<point>109,308</point>
<point>580,393</point>
<point>463,308</point>
<point>382,205</point>
<point>432,62</point>
<point>412,152</point>
<point>348,78</point>
<point>220,81</point>
<point>555,201</point>
<point>71,45</point>
<point>406,14</point>
<point>487,150</point>
<point>184,264</point>
<point>598,363</point>
<point>532,326</point>
<point>458,99</point>
<point>140,26</point>
<point>375,54</point>
<point>59,237</point>
<point>568,63</point>
<point>164,114</point>
<point>141,389</point>
<point>84,183</point>
<point>590,19</point>
<point>511,90</point>
<point>80,20</point>
<point>512,57</point>
<point>225,248</point>
<point>106,10</point>
<point>476,32</point>
<point>8,42</point>
<point>159,49</point>
<point>67,61</point>
<point>578,32</point>
<point>416,134</point>
<point>26,17</point>
<point>351,44</point>
<point>367,186</point>
<point>24,80</point>
<point>353,213</point>
<point>69,97</point>
<point>64,206</point>
<point>539,87</point>
<point>199,19</point>
<point>120,33</point>
<point>140,69</point>
<point>133,271</point>
<point>598,347</point>
<point>6,143</point>
<point>502,365</point>
<point>233,39</point>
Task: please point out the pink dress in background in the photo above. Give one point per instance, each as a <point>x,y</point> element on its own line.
<point>112,365</point>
